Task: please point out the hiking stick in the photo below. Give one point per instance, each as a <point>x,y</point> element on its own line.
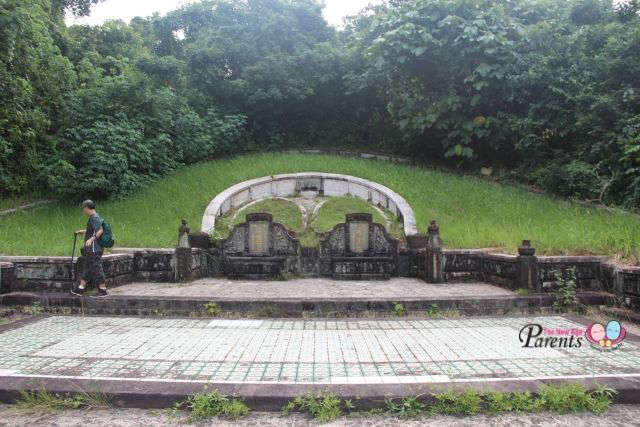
<point>73,253</point>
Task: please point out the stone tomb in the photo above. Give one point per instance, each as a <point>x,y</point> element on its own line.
<point>358,250</point>
<point>260,249</point>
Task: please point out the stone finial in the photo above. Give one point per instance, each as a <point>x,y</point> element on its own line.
<point>433,236</point>
<point>183,235</point>
<point>526,249</point>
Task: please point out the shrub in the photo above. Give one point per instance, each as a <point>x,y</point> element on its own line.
<point>575,178</point>
<point>564,293</point>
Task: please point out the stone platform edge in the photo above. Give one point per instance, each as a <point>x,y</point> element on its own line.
<point>135,393</point>
<point>287,308</point>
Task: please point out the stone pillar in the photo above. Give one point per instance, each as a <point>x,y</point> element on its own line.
<point>6,277</point>
<point>183,264</point>
<point>528,272</point>
<point>433,256</point>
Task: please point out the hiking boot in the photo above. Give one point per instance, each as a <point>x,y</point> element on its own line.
<point>78,291</point>
<point>101,293</point>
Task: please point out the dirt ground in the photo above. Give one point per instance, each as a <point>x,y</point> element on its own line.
<point>618,415</point>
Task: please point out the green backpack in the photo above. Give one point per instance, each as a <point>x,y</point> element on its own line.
<point>106,239</point>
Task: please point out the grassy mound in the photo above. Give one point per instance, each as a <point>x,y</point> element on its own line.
<point>285,212</point>
<point>472,212</point>
<point>333,212</point>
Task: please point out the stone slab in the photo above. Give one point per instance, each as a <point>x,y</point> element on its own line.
<point>312,288</point>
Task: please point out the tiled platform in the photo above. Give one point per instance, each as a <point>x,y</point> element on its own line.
<point>309,289</point>
<point>300,351</point>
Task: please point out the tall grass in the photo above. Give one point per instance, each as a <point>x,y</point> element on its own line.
<point>472,212</point>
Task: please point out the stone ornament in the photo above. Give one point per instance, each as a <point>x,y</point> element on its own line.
<point>183,235</point>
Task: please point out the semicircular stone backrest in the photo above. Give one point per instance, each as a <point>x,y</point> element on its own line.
<point>325,184</point>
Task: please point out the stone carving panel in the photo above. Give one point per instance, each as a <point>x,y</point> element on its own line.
<point>359,237</point>
<point>358,249</point>
<point>260,248</point>
<point>258,238</point>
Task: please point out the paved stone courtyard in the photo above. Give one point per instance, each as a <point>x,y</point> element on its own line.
<point>300,351</point>
<point>307,289</point>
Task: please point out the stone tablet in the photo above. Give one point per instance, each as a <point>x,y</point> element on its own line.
<point>259,237</point>
<point>359,236</point>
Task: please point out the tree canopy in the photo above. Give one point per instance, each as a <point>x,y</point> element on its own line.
<point>540,91</point>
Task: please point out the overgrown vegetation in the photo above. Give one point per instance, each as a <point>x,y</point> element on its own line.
<point>560,399</point>
<point>539,91</point>
<point>45,401</point>
<point>203,406</point>
<point>471,212</point>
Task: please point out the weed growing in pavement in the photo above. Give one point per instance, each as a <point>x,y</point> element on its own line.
<point>203,406</point>
<point>561,399</point>
<point>468,402</point>
<point>408,407</point>
<point>322,407</point>
<point>211,309</point>
<point>399,309</point>
<point>574,397</point>
<point>45,401</point>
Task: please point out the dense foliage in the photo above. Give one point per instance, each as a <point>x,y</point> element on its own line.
<point>542,91</point>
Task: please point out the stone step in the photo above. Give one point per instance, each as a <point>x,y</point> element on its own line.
<point>328,307</point>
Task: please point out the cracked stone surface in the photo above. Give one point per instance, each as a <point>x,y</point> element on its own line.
<point>314,288</point>
<point>301,351</point>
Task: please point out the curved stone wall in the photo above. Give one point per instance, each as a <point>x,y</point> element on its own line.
<point>327,184</point>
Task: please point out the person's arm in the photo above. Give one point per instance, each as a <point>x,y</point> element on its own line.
<point>80,231</point>
<point>95,237</point>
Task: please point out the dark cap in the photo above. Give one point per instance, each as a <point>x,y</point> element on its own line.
<point>88,204</point>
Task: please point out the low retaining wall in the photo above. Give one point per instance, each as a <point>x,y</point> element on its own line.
<point>593,273</point>
<point>589,273</point>
<point>55,274</point>
<point>327,184</point>
<point>52,274</point>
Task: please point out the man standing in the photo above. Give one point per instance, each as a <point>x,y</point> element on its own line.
<point>92,271</point>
